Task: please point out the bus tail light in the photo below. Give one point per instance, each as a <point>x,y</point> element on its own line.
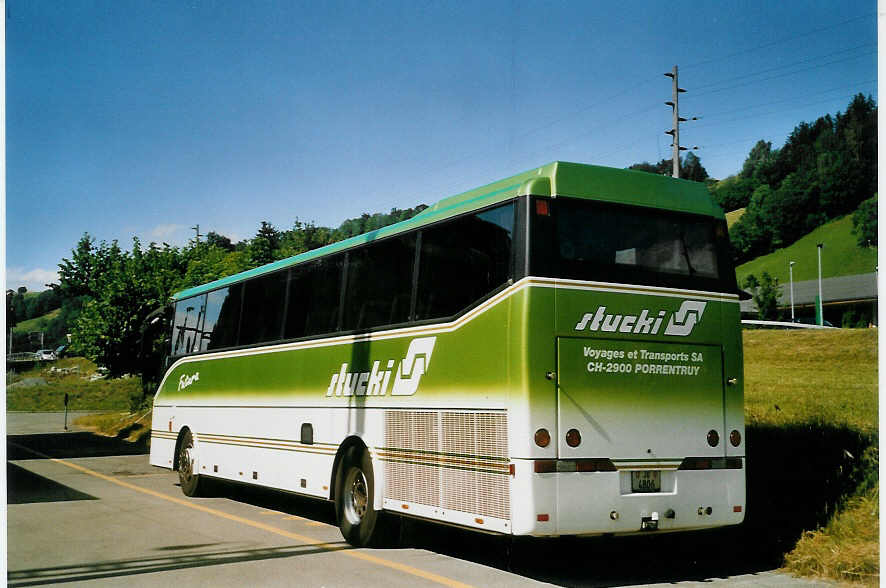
<point>735,438</point>
<point>573,438</point>
<point>711,463</point>
<point>542,438</point>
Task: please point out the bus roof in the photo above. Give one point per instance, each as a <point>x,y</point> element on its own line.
<point>575,180</point>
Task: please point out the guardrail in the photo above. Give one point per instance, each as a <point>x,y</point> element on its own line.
<point>783,324</point>
<point>21,356</point>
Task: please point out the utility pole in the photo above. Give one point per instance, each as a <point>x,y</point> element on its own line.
<point>820,308</point>
<point>674,132</point>
<point>197,229</point>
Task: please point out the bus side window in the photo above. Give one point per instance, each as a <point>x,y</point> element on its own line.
<point>226,326</point>
<point>379,285</point>
<point>263,304</point>
<point>314,291</point>
<point>188,325</point>
<point>463,261</point>
<point>214,302</point>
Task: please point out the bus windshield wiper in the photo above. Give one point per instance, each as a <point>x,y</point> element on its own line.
<point>686,254</point>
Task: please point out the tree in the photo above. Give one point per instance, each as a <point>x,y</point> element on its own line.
<point>760,151</point>
<point>10,309</point>
<point>692,169</point>
<point>864,223</point>
<point>661,168</point>
<point>785,211</point>
<point>766,295</point>
<point>115,301</point>
<point>263,247</point>
<point>733,192</point>
<point>216,240</point>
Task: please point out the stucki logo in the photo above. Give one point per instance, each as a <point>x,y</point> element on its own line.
<point>680,323</point>
<point>375,382</point>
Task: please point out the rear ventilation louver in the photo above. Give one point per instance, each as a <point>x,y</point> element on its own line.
<point>447,459</point>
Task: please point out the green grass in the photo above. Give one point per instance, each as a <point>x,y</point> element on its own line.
<point>812,376</point>
<point>733,216</point>
<point>847,548</point>
<point>38,323</point>
<point>128,426</point>
<point>40,390</point>
<point>810,396</point>
<point>841,256</point>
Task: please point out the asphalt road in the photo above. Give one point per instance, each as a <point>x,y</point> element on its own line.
<point>89,510</point>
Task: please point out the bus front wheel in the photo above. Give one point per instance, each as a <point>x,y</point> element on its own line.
<point>188,478</point>
<point>354,498</point>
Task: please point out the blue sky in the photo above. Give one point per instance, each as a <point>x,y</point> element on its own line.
<point>133,118</point>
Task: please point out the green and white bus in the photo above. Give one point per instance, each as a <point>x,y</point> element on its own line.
<point>556,353</point>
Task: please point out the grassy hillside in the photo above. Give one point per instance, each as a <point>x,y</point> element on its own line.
<point>732,217</point>
<point>841,255</point>
<point>38,323</point>
<point>811,408</point>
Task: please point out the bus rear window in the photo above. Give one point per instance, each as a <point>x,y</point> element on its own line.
<point>603,242</point>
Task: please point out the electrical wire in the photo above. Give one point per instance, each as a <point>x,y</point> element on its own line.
<point>758,80</point>
<point>787,65</point>
<point>779,41</point>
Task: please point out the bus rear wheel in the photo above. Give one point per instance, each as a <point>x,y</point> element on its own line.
<point>188,477</point>
<point>354,499</point>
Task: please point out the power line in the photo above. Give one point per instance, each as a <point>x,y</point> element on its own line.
<point>777,111</point>
<point>787,65</point>
<point>751,107</point>
<point>779,41</point>
<point>758,80</point>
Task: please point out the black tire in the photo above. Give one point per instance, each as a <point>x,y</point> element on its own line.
<point>354,497</point>
<point>188,478</point>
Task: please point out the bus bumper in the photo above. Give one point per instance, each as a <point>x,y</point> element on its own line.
<point>593,503</point>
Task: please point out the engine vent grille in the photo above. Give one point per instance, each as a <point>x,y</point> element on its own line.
<point>448,459</point>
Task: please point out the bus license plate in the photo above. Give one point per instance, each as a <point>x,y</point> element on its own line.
<point>646,481</point>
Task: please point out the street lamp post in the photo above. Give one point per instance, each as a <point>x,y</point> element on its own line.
<point>820,300</point>
<point>791,268</point>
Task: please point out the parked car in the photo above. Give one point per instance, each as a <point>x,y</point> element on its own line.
<point>45,355</point>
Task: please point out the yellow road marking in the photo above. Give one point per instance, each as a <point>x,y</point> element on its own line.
<point>344,549</point>
<point>316,524</point>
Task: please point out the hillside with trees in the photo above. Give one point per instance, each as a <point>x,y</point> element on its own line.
<point>825,169</point>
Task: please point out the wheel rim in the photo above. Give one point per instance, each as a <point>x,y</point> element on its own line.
<point>186,463</point>
<point>356,498</point>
